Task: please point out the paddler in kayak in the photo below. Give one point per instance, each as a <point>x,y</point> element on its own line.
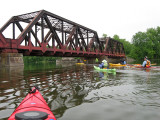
<point>146,62</point>
<point>123,61</point>
<point>105,63</point>
<point>101,65</point>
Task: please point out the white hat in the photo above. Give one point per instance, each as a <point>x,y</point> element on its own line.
<point>104,61</point>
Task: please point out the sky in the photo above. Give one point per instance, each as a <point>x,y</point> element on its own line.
<point>122,17</point>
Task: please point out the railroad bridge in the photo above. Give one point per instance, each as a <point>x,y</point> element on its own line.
<point>42,33</point>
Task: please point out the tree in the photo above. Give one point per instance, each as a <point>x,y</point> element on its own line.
<point>127,45</point>
<point>104,35</point>
<point>146,44</point>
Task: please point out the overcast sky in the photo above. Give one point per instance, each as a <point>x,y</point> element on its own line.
<point>121,17</point>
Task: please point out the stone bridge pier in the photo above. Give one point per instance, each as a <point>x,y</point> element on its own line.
<point>11,59</point>
<point>109,60</point>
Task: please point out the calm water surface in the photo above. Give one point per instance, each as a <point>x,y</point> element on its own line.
<point>80,93</point>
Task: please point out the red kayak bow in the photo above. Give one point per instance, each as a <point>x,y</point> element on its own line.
<point>33,107</point>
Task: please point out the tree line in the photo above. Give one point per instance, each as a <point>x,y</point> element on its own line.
<point>37,59</point>
<point>142,44</point>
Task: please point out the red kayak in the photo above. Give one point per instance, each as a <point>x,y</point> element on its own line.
<point>145,67</point>
<point>140,66</point>
<point>33,107</point>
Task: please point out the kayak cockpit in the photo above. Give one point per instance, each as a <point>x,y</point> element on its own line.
<point>31,115</point>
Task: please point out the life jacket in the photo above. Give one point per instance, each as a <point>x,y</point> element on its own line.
<point>101,65</point>
<point>148,63</point>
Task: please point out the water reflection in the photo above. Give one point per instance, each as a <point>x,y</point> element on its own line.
<point>62,87</point>
<point>68,87</point>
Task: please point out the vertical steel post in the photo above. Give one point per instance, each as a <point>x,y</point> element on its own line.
<point>26,41</point>
<point>87,38</point>
<point>62,33</point>
<point>65,37</point>
<point>76,37</point>
<point>29,38</point>
<point>36,35</point>
<point>42,30</point>
<point>53,42</point>
<point>13,30</point>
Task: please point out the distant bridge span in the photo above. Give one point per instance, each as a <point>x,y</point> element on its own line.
<point>42,33</point>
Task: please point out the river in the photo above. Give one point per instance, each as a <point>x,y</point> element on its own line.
<point>78,92</point>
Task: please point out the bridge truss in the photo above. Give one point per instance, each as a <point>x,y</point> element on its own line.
<point>42,33</point>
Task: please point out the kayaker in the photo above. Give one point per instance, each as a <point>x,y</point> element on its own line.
<point>123,62</point>
<point>105,63</point>
<point>146,62</point>
<point>79,61</point>
<point>101,65</point>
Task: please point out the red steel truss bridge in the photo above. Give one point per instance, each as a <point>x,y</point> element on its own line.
<point>42,33</point>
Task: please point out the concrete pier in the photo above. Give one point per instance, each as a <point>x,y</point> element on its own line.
<point>87,60</point>
<point>110,60</point>
<point>11,59</point>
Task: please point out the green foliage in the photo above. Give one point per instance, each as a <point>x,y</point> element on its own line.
<point>116,37</point>
<point>127,45</point>
<point>143,44</point>
<point>146,44</point>
<point>77,58</point>
<point>104,35</point>
<point>36,59</point>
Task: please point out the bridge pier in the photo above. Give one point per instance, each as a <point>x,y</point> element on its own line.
<point>88,60</point>
<point>11,59</point>
<point>110,60</point>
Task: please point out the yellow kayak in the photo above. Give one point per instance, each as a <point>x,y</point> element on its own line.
<point>80,63</point>
<point>111,64</point>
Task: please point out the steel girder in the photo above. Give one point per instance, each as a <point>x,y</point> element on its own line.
<point>44,33</point>
<point>113,47</point>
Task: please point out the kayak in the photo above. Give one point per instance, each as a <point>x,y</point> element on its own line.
<point>140,64</point>
<point>79,63</point>
<point>116,65</point>
<point>144,67</point>
<point>33,107</point>
<point>104,70</point>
